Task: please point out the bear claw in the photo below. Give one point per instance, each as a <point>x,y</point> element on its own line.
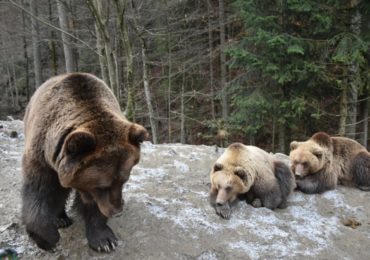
<point>224,211</point>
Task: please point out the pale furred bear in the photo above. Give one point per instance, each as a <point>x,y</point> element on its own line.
<point>321,162</point>
<point>250,173</point>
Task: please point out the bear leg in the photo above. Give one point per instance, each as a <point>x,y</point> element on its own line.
<point>43,199</point>
<point>317,183</point>
<point>360,168</point>
<point>63,221</point>
<point>99,235</point>
<point>272,199</point>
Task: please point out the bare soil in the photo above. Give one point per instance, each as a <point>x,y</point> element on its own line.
<point>167,214</point>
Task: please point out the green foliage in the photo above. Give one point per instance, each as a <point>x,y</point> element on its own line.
<point>293,50</point>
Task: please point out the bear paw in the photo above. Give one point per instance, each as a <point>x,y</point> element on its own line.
<point>46,237</point>
<point>102,239</point>
<point>257,203</point>
<point>63,222</point>
<point>224,211</point>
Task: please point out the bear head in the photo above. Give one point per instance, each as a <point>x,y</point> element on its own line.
<point>227,182</point>
<point>96,161</point>
<point>311,156</point>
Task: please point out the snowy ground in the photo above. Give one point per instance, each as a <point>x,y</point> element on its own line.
<point>167,215</point>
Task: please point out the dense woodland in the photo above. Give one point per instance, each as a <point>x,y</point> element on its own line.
<point>201,71</point>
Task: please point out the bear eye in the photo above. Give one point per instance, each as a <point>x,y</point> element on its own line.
<point>228,189</point>
<point>318,155</point>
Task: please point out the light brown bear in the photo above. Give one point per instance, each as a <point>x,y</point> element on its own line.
<point>323,161</point>
<point>76,138</point>
<point>248,172</point>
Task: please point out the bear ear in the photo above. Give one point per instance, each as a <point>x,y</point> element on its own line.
<point>293,145</point>
<point>137,134</point>
<point>217,167</point>
<point>322,139</point>
<point>79,142</point>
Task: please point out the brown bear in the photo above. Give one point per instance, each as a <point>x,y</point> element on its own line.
<point>76,138</point>
<point>323,161</point>
<point>248,172</point>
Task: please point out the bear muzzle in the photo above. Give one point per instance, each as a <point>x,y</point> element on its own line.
<point>110,209</point>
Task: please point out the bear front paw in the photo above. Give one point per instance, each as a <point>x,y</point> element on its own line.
<point>46,237</point>
<point>224,211</point>
<point>63,222</point>
<point>257,203</point>
<point>102,239</point>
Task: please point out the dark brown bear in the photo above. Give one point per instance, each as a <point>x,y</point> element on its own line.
<point>76,138</point>
<point>323,161</point>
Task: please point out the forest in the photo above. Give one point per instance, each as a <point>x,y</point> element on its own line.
<point>201,71</point>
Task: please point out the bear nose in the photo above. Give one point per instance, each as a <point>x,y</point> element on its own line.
<point>218,204</point>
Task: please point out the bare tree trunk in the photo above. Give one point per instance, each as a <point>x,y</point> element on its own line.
<point>182,132</point>
<point>102,57</point>
<point>16,99</point>
<point>282,138</point>
<point>122,6</point>
<point>153,123</point>
<point>210,46</point>
<point>169,91</point>
<point>35,45</point>
<point>351,88</point>
<point>25,55</point>
<point>70,61</point>
<point>101,21</point>
<point>10,84</point>
<point>343,113</point>
<point>224,102</point>
<point>54,57</point>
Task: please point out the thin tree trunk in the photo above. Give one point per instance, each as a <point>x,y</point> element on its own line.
<point>352,86</point>
<point>169,91</point>
<point>70,61</point>
<point>182,132</point>
<point>10,84</point>
<point>35,45</point>
<point>102,57</point>
<point>54,56</point>
<point>224,102</point>
<point>122,7</point>
<point>25,55</point>
<point>16,99</point>
<point>282,137</point>
<point>153,123</point>
<point>101,21</point>
<point>210,46</point>
<point>343,113</point>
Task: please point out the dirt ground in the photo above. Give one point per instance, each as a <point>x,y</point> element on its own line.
<point>167,215</point>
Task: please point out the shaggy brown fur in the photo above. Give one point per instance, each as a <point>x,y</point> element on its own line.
<point>76,137</point>
<point>251,173</point>
<point>322,161</point>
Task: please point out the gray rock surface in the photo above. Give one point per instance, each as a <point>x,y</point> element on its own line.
<point>167,215</point>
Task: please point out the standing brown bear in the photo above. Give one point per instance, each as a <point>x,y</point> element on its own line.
<point>322,161</point>
<point>76,138</point>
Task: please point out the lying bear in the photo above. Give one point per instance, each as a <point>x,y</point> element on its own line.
<point>323,161</point>
<point>248,172</point>
<point>76,138</point>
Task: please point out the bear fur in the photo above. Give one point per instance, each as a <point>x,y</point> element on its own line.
<point>250,173</point>
<point>321,162</point>
<point>76,138</point>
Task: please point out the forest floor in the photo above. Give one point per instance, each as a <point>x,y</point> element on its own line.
<point>167,215</point>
